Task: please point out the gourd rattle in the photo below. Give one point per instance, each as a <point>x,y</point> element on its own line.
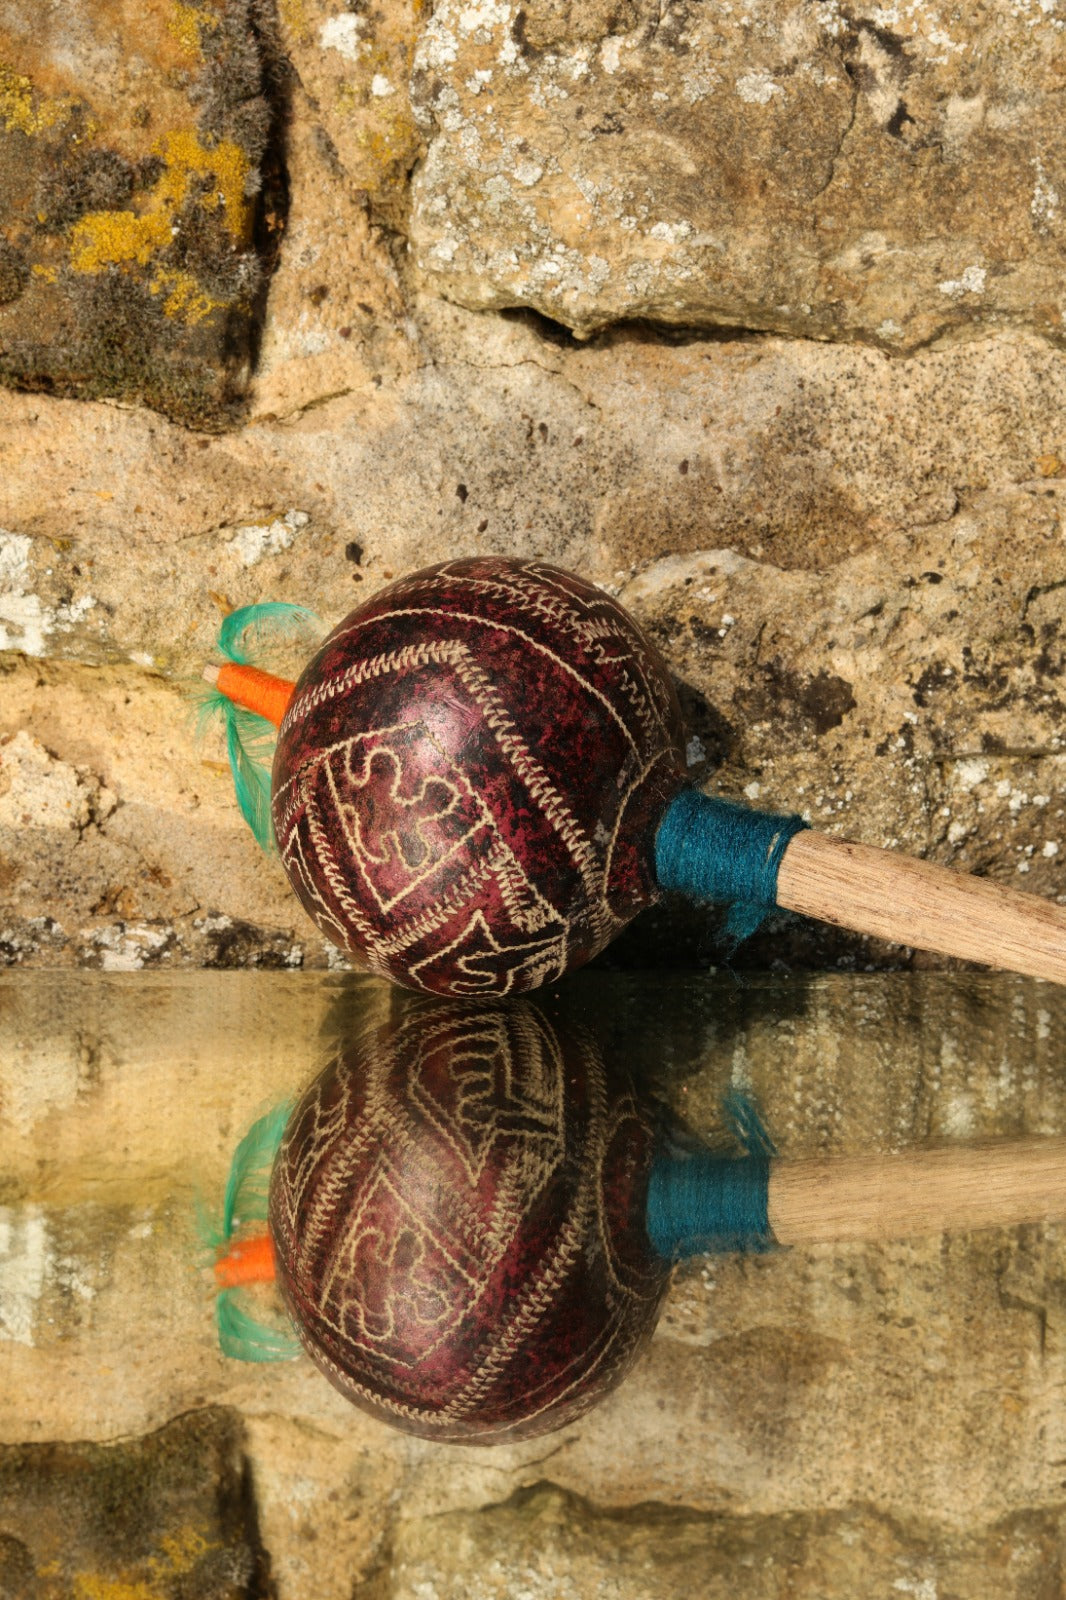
<point>479,780</point>
<point>472,1223</point>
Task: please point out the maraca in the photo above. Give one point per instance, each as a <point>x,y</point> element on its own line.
<point>472,1223</point>
<point>479,780</point>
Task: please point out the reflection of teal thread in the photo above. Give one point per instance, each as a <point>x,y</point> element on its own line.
<point>702,1202</point>
<point>711,849</point>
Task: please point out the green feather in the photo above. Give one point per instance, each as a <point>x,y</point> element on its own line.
<point>250,743</point>
<point>250,629</point>
<point>250,740</point>
<point>245,1339</point>
<point>249,1175</point>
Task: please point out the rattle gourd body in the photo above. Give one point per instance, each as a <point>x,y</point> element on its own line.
<point>469,776</point>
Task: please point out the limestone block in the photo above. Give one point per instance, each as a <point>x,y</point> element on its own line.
<point>132,148</point>
<point>355,65</point>
<point>96,871</point>
<point>337,322</point>
<point>852,564</point>
<point>887,174</point>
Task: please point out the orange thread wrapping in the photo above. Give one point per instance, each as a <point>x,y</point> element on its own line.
<point>256,690</point>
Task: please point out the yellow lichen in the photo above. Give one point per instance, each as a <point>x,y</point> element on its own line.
<point>103,239</point>
<point>293,17</point>
<point>390,138</point>
<point>94,1586</point>
<point>186,158</point>
<point>186,23</point>
<point>178,1555</point>
<point>186,300</point>
<point>181,1551</point>
<point>26,112</point>
<point>49,274</point>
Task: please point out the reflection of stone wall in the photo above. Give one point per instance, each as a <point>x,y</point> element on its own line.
<point>829,1422</point>
<point>753,317</point>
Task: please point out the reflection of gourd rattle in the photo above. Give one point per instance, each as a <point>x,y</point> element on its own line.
<point>473,1225</point>
<point>479,780</point>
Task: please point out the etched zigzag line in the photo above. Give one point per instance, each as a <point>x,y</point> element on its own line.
<point>412,656</point>
<point>531,1307</point>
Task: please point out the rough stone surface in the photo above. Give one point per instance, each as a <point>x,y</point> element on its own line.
<point>892,1409</point>
<point>156,1518</point>
<point>133,141</point>
<point>890,173</point>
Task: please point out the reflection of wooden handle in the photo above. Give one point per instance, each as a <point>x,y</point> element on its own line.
<point>918,1191</point>
<point>914,903</point>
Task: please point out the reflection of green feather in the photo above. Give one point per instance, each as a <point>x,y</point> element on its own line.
<point>249,1174</point>
<point>250,630</point>
<point>746,1124</point>
<point>245,1339</point>
<point>208,1231</point>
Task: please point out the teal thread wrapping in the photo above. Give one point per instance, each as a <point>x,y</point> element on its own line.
<point>705,1202</point>
<point>712,849</point>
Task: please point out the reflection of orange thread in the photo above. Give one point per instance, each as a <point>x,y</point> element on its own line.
<point>247,1261</point>
<point>256,690</point>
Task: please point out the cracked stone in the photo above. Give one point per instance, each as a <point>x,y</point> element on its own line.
<point>892,176</point>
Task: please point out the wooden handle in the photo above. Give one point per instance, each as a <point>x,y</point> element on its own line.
<point>918,1191</point>
<point>914,903</point>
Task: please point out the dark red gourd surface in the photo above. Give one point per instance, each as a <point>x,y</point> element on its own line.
<point>469,777</point>
<point>458,1213</point>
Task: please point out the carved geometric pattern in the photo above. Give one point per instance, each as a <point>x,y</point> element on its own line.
<point>458,1214</point>
<point>469,776</point>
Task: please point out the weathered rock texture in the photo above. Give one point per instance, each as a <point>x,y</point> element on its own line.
<point>888,173</point>
<point>823,1422</point>
<point>868,618</point>
<point>548,1545</point>
<point>132,147</point>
